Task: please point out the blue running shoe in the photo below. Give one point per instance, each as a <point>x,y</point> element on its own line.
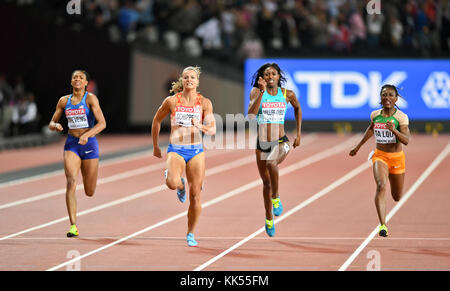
<point>190,240</point>
<point>182,193</point>
<point>270,228</point>
<point>277,207</point>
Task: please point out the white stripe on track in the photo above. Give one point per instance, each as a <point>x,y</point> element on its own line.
<point>303,163</point>
<point>303,204</point>
<point>402,201</point>
<point>209,172</point>
<point>222,238</point>
<point>141,171</point>
<point>118,160</point>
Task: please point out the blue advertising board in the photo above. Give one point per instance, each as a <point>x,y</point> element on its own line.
<point>349,89</point>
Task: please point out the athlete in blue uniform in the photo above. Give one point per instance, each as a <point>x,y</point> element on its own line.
<point>269,102</point>
<point>85,120</point>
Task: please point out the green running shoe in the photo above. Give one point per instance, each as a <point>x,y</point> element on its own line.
<point>383,231</point>
<point>270,228</point>
<point>73,231</point>
<point>277,206</point>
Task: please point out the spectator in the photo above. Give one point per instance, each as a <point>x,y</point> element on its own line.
<point>357,28</point>
<point>210,33</point>
<point>128,17</point>
<point>186,18</point>
<point>25,116</point>
<point>419,25</point>
<point>252,46</point>
<point>374,29</point>
<point>228,25</point>
<point>396,31</point>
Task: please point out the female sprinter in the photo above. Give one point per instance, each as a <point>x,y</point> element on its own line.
<point>85,119</point>
<point>391,130</point>
<point>191,115</point>
<point>269,102</point>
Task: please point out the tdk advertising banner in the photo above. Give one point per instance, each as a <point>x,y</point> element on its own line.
<point>344,89</point>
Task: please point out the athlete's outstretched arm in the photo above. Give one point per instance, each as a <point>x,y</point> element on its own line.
<point>162,112</point>
<point>368,134</point>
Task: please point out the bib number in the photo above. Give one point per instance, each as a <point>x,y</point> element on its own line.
<point>76,118</point>
<point>383,135</point>
<point>184,115</point>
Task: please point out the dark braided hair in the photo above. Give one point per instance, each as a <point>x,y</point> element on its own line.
<point>260,73</point>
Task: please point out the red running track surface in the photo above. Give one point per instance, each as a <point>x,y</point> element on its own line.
<point>134,222</point>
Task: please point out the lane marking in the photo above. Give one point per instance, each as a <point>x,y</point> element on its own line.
<point>402,201</point>
<point>140,171</point>
<point>102,163</point>
<point>278,238</point>
<point>303,204</point>
<point>121,159</point>
<point>303,163</point>
<point>120,201</point>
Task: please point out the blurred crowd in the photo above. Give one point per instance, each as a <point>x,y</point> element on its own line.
<point>18,110</point>
<point>252,28</point>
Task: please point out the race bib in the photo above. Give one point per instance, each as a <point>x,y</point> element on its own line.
<point>273,112</point>
<point>185,114</point>
<point>383,135</point>
<point>76,118</point>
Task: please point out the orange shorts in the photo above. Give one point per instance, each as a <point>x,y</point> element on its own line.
<point>394,161</point>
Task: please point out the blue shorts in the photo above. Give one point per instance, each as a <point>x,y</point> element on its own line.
<point>186,151</point>
<point>85,152</point>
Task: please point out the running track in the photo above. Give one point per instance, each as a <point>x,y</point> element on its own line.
<point>134,222</point>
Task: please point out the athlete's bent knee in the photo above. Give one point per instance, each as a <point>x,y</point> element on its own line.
<point>396,196</point>
<point>172,183</point>
<point>89,192</point>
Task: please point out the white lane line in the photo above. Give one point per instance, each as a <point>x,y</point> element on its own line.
<point>156,189</point>
<point>402,201</point>
<point>303,204</point>
<point>125,158</point>
<point>140,171</point>
<point>162,187</point>
<point>303,163</point>
<point>222,238</point>
<point>102,163</point>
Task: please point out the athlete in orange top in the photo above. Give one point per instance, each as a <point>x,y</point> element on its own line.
<point>191,115</point>
<point>391,129</point>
